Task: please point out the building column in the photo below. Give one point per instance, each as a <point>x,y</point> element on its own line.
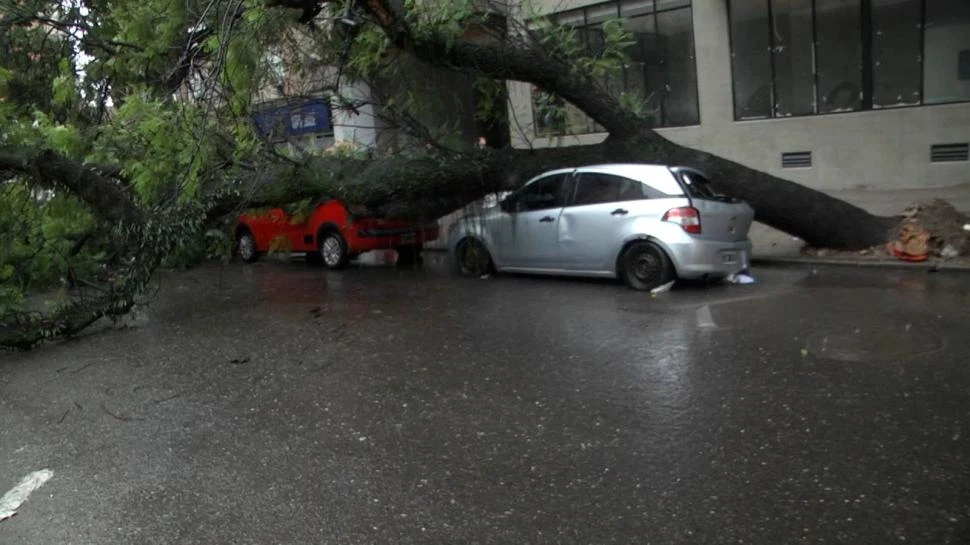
<point>360,126</point>
<point>713,58</point>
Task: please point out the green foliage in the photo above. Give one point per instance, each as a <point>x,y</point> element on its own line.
<point>490,103</point>
<point>40,230</point>
<point>64,86</point>
<point>637,104</point>
<point>369,53</point>
<point>445,19</point>
<point>165,148</point>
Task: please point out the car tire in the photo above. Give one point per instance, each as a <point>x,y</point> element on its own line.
<point>645,266</point>
<point>246,246</point>
<point>333,250</point>
<point>409,255</point>
<point>472,258</point>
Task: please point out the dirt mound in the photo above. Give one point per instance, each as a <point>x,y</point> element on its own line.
<point>926,230</point>
<point>946,230</point>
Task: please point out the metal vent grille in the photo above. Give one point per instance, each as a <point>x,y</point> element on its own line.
<point>796,159</point>
<point>941,153</point>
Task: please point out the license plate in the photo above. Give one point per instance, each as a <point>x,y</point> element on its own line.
<point>410,237</point>
<point>729,258</point>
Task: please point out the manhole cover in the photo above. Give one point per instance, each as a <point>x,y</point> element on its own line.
<point>869,343</point>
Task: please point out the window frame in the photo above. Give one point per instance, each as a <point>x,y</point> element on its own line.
<point>866,102</point>
<point>618,6</point>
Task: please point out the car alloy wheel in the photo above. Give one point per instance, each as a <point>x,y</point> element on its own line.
<point>331,251</point>
<point>246,247</point>
<point>473,258</point>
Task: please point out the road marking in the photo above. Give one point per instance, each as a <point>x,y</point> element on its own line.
<point>704,318</point>
<point>12,500</point>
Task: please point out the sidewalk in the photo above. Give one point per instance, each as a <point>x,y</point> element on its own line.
<point>773,244</point>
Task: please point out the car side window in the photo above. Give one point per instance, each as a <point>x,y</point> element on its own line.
<point>548,192</point>
<point>596,188</point>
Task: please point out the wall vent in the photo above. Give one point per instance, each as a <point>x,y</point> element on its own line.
<point>942,153</point>
<point>796,159</point>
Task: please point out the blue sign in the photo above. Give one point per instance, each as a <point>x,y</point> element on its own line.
<point>307,117</point>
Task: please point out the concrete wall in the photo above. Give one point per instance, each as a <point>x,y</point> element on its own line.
<point>860,150</point>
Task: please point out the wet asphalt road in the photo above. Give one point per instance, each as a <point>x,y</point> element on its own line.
<point>280,404</point>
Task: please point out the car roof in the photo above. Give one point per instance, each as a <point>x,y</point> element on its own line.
<point>631,170</point>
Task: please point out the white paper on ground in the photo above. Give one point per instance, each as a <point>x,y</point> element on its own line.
<point>12,500</point>
<point>663,288</point>
<point>740,278</point>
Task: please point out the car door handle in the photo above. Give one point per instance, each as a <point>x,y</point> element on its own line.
<point>619,212</point>
<point>546,219</point>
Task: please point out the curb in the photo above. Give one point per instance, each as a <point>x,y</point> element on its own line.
<point>926,266</point>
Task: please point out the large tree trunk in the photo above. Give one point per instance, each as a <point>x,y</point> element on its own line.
<point>432,187</point>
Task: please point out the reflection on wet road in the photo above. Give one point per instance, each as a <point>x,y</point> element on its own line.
<point>278,403</point>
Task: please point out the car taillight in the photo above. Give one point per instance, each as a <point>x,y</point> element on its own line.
<point>687,217</point>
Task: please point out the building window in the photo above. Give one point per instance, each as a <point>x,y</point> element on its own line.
<point>838,55</point>
<point>897,66</point>
<point>804,57</point>
<point>660,72</point>
<point>946,35</point>
<point>751,42</point>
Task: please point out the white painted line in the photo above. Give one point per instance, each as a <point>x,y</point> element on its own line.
<point>704,318</point>
<point>11,501</point>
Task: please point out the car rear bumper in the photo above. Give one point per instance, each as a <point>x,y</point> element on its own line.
<point>699,258</point>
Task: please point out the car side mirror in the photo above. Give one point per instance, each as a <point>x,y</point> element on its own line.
<point>506,205</point>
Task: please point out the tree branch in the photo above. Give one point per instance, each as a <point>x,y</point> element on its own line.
<point>511,58</point>
<point>106,196</point>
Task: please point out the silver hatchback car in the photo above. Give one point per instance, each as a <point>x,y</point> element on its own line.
<point>645,224</point>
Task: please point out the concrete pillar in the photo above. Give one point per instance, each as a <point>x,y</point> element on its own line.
<point>362,126</point>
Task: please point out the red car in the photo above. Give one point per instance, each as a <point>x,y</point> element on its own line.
<point>331,234</point>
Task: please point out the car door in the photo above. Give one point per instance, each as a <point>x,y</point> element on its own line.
<point>526,233</point>
<point>600,216</point>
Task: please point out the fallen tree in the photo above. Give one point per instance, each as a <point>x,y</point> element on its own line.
<point>218,169</point>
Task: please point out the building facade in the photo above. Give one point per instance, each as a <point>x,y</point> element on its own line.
<point>833,94</point>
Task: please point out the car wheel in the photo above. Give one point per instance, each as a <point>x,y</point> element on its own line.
<point>409,255</point>
<point>246,246</point>
<point>472,258</point>
<point>645,266</point>
<point>333,250</point>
